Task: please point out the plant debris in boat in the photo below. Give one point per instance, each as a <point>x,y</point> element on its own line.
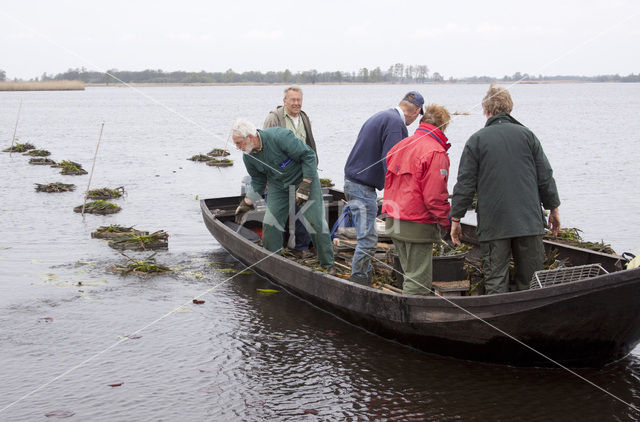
<point>19,147</point>
<point>218,152</point>
<point>70,168</point>
<point>199,157</point>
<point>146,265</point>
<point>42,161</point>
<point>224,162</point>
<point>38,153</point>
<point>105,193</point>
<point>55,187</point>
<point>143,242</point>
<point>98,207</point>
<point>326,183</point>
<point>116,231</point>
<point>571,236</point>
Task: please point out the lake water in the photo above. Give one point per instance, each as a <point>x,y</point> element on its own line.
<point>243,356</point>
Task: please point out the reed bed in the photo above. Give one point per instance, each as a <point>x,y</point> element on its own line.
<point>43,86</point>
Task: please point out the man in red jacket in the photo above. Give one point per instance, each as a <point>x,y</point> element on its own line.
<point>416,199</point>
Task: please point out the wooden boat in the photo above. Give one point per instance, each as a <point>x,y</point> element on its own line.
<point>584,323</point>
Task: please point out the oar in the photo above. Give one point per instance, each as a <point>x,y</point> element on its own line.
<point>15,128</point>
<point>92,167</point>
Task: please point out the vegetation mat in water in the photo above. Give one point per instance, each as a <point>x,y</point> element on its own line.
<point>38,153</point>
<point>218,152</point>
<point>105,193</point>
<point>116,231</point>
<point>70,168</point>
<point>155,240</point>
<point>42,161</point>
<point>199,157</point>
<point>99,207</point>
<point>225,162</point>
<point>571,236</point>
<point>19,148</point>
<point>326,183</point>
<point>142,266</point>
<point>55,187</point>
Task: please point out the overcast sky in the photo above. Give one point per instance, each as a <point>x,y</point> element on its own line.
<point>455,38</point>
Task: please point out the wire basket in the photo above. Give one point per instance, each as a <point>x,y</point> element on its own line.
<point>546,278</point>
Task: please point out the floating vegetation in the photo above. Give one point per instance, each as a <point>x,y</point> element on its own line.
<point>461,113</point>
<point>70,168</point>
<point>147,266</point>
<point>105,193</point>
<point>42,161</point>
<point>18,147</point>
<point>571,236</point>
<point>218,152</point>
<point>445,249</point>
<point>200,157</point>
<point>143,242</point>
<point>225,162</point>
<point>98,207</point>
<point>38,153</point>
<point>326,183</point>
<point>116,231</point>
<point>55,187</point>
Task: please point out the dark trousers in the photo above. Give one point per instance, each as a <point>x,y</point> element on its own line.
<point>528,257</point>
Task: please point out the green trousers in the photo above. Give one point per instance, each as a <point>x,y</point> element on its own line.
<point>528,257</point>
<point>281,204</point>
<point>416,260</point>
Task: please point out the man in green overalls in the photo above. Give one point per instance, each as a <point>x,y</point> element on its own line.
<point>275,156</point>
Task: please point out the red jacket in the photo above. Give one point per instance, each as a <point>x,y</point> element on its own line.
<point>415,186</point>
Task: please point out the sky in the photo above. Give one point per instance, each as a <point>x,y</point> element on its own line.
<point>454,38</point>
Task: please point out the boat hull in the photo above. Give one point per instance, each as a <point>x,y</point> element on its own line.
<point>586,323</point>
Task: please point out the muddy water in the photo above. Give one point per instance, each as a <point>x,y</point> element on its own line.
<point>76,337</point>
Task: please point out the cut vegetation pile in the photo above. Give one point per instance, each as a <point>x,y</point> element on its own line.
<point>116,231</point>
<point>55,187</point>
<point>70,168</point>
<point>199,157</point>
<point>106,193</point>
<point>143,242</point>
<point>142,266</point>
<point>42,161</point>
<point>19,148</point>
<point>571,236</point>
<point>218,152</point>
<point>225,162</point>
<point>98,207</point>
<point>38,153</point>
<point>326,183</point>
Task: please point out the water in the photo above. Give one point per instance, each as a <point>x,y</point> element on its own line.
<point>240,355</point>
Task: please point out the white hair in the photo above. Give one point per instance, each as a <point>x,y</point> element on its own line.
<point>295,88</point>
<point>242,128</point>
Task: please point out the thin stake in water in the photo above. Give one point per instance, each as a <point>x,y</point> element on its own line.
<point>92,167</point>
<point>13,138</point>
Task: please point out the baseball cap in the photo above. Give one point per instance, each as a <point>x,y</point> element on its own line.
<point>416,99</point>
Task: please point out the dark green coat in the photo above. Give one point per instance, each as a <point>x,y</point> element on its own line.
<point>505,163</point>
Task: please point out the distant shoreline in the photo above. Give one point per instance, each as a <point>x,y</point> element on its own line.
<point>43,86</point>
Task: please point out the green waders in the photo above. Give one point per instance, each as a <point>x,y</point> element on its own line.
<point>278,207</point>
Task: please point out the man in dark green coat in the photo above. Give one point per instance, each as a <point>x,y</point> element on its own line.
<point>505,164</point>
<point>275,156</point>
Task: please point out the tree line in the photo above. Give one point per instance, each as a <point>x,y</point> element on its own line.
<point>397,73</point>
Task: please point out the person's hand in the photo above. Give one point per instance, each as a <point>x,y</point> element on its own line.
<point>554,222</point>
<point>303,192</point>
<point>456,232</point>
<point>244,207</point>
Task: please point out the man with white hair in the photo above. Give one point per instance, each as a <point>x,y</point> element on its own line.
<point>275,156</point>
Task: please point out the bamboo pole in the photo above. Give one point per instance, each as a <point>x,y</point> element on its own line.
<point>92,167</point>
<point>13,139</point>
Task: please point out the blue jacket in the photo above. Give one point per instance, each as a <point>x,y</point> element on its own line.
<point>366,163</point>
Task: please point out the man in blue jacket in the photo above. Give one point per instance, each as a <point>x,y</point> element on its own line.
<point>364,173</point>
